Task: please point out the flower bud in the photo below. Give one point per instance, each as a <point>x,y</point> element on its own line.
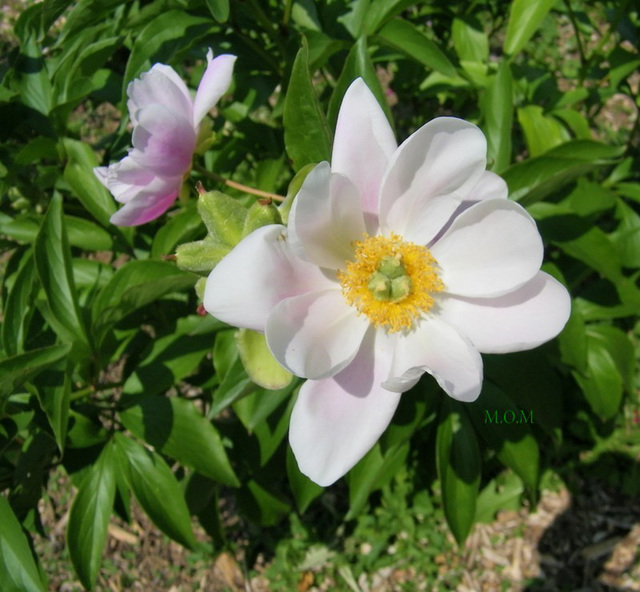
<point>261,213</point>
<point>223,216</point>
<point>201,256</point>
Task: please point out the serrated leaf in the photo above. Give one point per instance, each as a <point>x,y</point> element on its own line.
<point>176,428</point>
<point>156,489</point>
<point>89,517</point>
<point>18,569</point>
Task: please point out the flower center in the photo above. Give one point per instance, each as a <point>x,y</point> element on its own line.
<point>390,281</point>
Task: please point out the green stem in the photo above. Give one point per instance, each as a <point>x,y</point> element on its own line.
<point>574,24</point>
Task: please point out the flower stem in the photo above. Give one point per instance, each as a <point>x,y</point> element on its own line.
<point>239,186</point>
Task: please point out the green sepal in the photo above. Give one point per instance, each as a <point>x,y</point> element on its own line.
<point>258,361</point>
<point>261,213</point>
<point>223,216</point>
<point>201,256</point>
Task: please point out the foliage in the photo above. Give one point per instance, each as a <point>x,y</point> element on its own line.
<point>108,370</point>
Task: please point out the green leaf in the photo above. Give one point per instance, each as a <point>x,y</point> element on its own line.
<point>525,18</point>
<point>18,569</point>
<point>53,262</point>
<point>304,490</point>
<point>601,384</point>
<point>16,370</point>
<point>497,108</point>
<point>306,134</point>
<point>54,392</point>
<point>176,428</point>
<point>619,347</point>
<point>258,361</point>
<point>535,178</point>
<point>357,65</point>
<point>18,307</point>
<point>219,9</point>
<point>261,505</point>
<point>469,40</point>
<point>182,227</point>
<point>381,11</point>
<point>626,237</point>
<point>510,437</point>
<point>541,132</point>
<point>78,172</point>
<point>405,37</point>
<point>591,198</point>
<point>171,358</point>
<point>458,463</point>
<point>156,489</point>
<point>89,517</point>
<point>33,79</point>
<point>134,285</point>
<point>160,40</point>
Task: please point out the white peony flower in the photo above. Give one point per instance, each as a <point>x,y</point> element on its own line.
<point>397,261</point>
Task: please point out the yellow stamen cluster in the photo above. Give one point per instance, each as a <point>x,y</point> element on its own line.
<point>362,281</point>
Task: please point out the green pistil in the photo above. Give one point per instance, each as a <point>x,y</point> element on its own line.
<point>390,283</point>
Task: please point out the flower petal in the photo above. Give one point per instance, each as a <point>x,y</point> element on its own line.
<point>337,420</point>
<point>145,206</point>
<point>315,335</point>
<point>520,320</point>
<point>490,186</point>
<point>325,218</point>
<point>363,143</point>
<point>258,273</point>
<point>127,178</point>
<point>161,86</point>
<point>439,349</point>
<point>445,157</point>
<point>215,82</point>
<point>163,141</point>
<point>490,249</point>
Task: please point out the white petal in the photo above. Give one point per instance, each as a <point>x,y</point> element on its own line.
<point>490,249</point>
<point>337,420</point>
<point>255,276</point>
<point>127,178</point>
<point>215,82</point>
<point>437,348</point>
<point>161,86</point>
<point>363,143</point>
<point>445,157</point>
<point>163,141</point>
<point>325,218</point>
<point>521,320</point>
<point>315,335</point>
<point>490,186</point>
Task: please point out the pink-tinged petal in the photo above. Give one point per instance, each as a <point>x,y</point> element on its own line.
<point>325,218</point>
<point>490,186</point>
<point>490,249</point>
<point>215,82</point>
<point>144,207</point>
<point>521,320</point>
<point>160,86</point>
<point>445,157</point>
<point>337,420</point>
<point>258,273</point>
<point>127,178</point>
<point>363,144</point>
<point>163,141</point>
<point>315,335</point>
<point>439,349</point>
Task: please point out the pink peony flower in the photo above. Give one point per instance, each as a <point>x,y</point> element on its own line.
<point>397,261</point>
<point>166,122</point>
